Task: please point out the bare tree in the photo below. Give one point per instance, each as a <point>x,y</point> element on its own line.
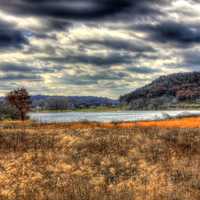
<point>21,100</point>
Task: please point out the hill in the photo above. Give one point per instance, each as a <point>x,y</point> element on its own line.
<point>181,90</point>
<point>70,102</point>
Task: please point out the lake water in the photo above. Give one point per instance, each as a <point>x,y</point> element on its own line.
<point>108,116</point>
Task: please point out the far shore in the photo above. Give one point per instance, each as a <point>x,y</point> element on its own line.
<point>97,109</point>
<point>111,109</point>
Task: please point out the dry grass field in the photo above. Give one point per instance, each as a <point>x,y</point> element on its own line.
<point>98,162</point>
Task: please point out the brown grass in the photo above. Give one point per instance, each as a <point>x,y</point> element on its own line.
<point>65,162</point>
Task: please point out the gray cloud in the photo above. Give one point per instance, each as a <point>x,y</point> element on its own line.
<point>108,77</point>
<point>191,60</point>
<point>97,60</point>
<point>21,68</point>
<point>11,37</point>
<point>80,9</point>
<point>181,34</point>
<point>86,79</point>
<point>20,77</point>
<point>10,67</point>
<point>143,70</point>
<point>56,24</point>
<point>119,44</point>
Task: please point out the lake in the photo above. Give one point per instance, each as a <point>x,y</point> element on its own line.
<point>57,117</point>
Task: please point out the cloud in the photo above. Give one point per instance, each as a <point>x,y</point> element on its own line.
<point>11,37</point>
<point>94,79</point>
<point>118,44</point>
<point>46,26</point>
<point>108,77</point>
<point>191,60</point>
<point>10,67</point>
<point>20,77</point>
<point>108,45</point>
<point>22,68</point>
<point>143,70</point>
<point>56,24</point>
<point>180,34</point>
<point>80,9</point>
<point>97,60</point>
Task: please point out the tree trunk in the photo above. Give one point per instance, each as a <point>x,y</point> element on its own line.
<point>22,115</point>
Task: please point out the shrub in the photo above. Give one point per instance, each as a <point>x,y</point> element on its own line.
<point>8,112</point>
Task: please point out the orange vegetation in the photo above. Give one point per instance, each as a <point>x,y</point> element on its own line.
<point>187,122</point>
<point>192,122</point>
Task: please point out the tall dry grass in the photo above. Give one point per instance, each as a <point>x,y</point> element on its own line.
<point>53,162</point>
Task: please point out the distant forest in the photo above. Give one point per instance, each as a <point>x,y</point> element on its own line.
<point>42,102</point>
<point>70,102</point>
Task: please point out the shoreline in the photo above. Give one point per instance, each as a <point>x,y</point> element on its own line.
<point>180,122</point>
<point>114,109</point>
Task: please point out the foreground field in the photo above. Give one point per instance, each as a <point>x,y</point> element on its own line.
<point>66,162</point>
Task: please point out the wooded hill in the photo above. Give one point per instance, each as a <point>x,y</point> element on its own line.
<point>181,90</point>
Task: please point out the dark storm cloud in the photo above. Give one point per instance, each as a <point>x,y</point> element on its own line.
<point>22,68</point>
<point>97,60</point>
<point>80,9</point>
<point>173,32</point>
<point>11,37</point>
<point>16,72</point>
<point>9,67</point>
<point>57,25</point>
<point>118,44</point>
<point>20,77</point>
<point>40,35</point>
<point>191,60</point>
<point>143,70</point>
<point>93,79</point>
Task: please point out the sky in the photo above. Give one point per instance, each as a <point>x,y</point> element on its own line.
<point>95,47</point>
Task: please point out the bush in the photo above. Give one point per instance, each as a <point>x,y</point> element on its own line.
<point>8,112</point>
